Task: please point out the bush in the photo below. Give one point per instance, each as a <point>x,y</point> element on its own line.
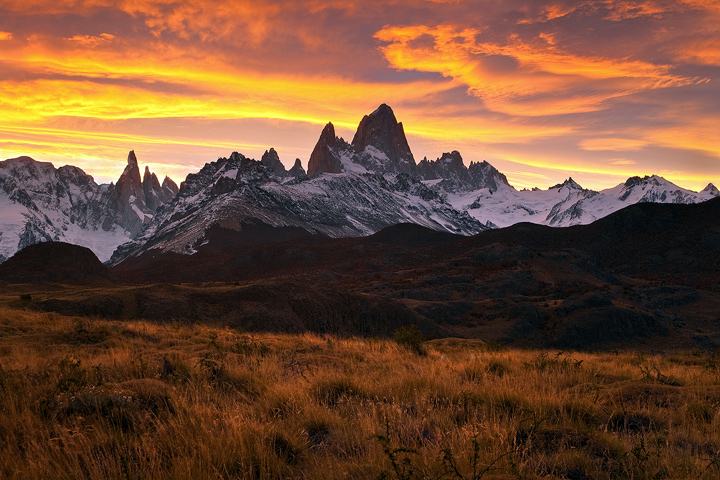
<point>411,336</point>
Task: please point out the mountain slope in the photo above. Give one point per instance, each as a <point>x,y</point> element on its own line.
<point>648,272</point>
<point>39,203</point>
<point>237,191</point>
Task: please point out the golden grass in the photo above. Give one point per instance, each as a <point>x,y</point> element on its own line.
<point>101,399</point>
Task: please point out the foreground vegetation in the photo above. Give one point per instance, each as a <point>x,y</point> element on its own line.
<point>101,399</point>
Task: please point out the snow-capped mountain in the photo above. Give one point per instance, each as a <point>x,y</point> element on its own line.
<point>39,203</point>
<point>498,204</point>
<point>234,192</point>
<point>349,189</point>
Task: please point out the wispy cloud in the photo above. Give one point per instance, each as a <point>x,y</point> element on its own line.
<point>613,144</point>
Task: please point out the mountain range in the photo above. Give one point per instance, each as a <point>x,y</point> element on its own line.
<point>350,189</point>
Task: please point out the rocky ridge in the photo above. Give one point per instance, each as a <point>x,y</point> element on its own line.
<point>40,203</point>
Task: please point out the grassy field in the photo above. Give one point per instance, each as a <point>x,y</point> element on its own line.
<point>94,399</point>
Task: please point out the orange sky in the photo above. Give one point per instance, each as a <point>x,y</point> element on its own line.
<point>596,89</point>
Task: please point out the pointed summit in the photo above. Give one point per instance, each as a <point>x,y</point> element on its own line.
<point>711,190</point>
<point>272,161</point>
<point>132,159</point>
<point>297,170</point>
<point>570,184</point>
<point>324,157</point>
<point>382,131</point>
<point>169,185</point>
<point>484,175</point>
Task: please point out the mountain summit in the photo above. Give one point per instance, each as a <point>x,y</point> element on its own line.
<point>380,133</point>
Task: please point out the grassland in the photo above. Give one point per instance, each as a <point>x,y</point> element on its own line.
<point>92,398</point>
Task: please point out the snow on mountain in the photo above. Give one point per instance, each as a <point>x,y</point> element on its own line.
<point>235,191</point>
<point>568,203</point>
<point>349,189</point>
<point>40,203</point>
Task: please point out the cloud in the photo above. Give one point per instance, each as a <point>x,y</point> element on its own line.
<point>6,36</point>
<point>520,77</point>
<point>622,161</point>
<point>612,144</point>
<point>91,40</point>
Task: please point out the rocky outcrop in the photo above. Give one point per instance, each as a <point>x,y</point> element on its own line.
<point>272,161</point>
<point>484,175</point>
<point>455,176</point>
<point>129,195</point>
<point>325,157</point>
<point>381,131</point>
<point>297,170</point>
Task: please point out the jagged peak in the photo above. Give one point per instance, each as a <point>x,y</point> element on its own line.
<point>383,109</point>
<point>710,189</point>
<point>270,153</point>
<point>234,156</point>
<point>382,131</point>
<point>569,184</point>
<point>271,160</point>
<point>451,157</point>
<point>328,132</point>
<point>324,157</point>
<point>132,159</point>
<point>646,180</point>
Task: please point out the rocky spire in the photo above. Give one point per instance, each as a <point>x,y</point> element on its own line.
<point>484,175</point>
<point>170,185</point>
<point>382,131</point>
<point>297,170</point>
<point>129,184</point>
<point>325,157</point>
<point>272,161</point>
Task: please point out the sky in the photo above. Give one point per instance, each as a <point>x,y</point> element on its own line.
<point>599,90</point>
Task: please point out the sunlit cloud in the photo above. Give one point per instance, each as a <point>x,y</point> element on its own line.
<point>545,87</point>
<point>92,40</point>
<point>520,78</point>
<point>615,144</point>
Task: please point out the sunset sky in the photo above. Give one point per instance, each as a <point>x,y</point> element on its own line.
<point>599,90</point>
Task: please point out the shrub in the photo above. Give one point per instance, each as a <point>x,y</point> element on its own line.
<point>411,336</point>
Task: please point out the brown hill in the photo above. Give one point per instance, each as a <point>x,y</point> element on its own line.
<point>54,262</point>
<point>648,273</point>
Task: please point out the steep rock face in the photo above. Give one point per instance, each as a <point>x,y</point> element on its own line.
<point>169,190</point>
<point>39,203</point>
<point>381,133</point>
<point>152,190</point>
<point>483,175</point>
<point>297,170</point>
<point>235,192</point>
<point>325,157</point>
<point>272,161</point>
<point>133,212</point>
